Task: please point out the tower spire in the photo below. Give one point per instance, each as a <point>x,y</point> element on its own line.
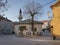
<point>20,16</point>
<point>20,11</point>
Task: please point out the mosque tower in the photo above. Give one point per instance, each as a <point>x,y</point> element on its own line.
<point>20,16</point>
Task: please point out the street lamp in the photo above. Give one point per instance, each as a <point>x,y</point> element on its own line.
<point>48,15</point>
<point>49,21</point>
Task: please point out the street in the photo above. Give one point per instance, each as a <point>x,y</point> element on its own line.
<point>13,40</point>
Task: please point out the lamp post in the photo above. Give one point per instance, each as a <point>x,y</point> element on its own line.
<point>48,15</point>
<point>49,21</point>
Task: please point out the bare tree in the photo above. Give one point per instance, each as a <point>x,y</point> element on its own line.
<point>3,6</point>
<point>33,8</point>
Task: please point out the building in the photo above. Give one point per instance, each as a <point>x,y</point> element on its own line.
<point>45,28</point>
<point>6,26</point>
<point>55,22</point>
<point>27,26</point>
<point>45,24</point>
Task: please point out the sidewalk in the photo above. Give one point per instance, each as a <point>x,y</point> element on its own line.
<point>41,37</point>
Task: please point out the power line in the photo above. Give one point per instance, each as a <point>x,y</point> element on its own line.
<point>46,4</point>
<point>49,3</point>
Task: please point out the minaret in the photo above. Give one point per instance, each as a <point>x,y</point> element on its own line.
<point>20,16</point>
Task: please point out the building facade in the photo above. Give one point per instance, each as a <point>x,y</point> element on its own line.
<point>28,27</point>
<point>45,24</point>
<point>6,26</point>
<point>55,22</point>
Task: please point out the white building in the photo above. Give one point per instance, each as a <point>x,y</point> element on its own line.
<point>28,26</point>
<point>45,24</point>
<point>45,29</point>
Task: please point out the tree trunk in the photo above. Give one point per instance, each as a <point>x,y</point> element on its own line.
<point>33,24</point>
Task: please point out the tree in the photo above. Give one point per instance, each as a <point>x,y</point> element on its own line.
<point>3,6</point>
<point>33,8</point>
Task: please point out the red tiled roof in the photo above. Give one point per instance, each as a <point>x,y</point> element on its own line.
<point>44,21</point>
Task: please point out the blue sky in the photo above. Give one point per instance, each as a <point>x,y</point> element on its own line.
<point>13,11</point>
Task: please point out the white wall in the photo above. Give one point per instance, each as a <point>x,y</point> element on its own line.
<point>28,27</point>
<point>44,25</point>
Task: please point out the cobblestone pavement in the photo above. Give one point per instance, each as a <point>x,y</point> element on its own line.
<point>13,40</point>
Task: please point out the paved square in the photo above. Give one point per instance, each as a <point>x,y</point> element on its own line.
<point>13,40</point>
